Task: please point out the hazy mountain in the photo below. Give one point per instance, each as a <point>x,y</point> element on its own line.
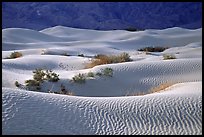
<point>102,15</point>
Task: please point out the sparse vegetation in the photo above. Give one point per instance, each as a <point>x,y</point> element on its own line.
<point>66,54</point>
<point>153,49</point>
<point>51,76</point>
<point>80,78</point>
<point>169,56</point>
<point>162,86</point>
<point>133,29</point>
<point>136,94</point>
<point>158,88</point>
<point>98,74</point>
<point>90,74</point>
<point>32,84</point>
<point>17,84</point>
<point>104,59</point>
<point>108,72</point>
<point>81,55</point>
<point>15,55</point>
<point>64,91</point>
<point>39,76</point>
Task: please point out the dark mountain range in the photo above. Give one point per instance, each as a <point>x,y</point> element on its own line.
<point>102,15</point>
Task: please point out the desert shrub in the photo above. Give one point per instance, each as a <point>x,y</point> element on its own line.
<point>51,76</point>
<point>32,84</point>
<point>153,49</point>
<point>80,78</point>
<point>17,84</point>
<point>90,74</point>
<point>66,54</point>
<point>104,59</point>
<point>65,91</point>
<point>124,57</point>
<point>98,56</point>
<point>39,75</point>
<point>108,72</point>
<point>99,74</point>
<point>133,29</point>
<point>15,55</point>
<point>166,56</point>
<point>81,55</point>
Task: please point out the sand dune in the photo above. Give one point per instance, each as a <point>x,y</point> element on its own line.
<point>103,105</point>
<point>159,113</point>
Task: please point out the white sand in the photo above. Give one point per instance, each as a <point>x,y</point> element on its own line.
<point>100,106</point>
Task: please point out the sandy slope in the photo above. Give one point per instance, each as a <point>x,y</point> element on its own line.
<point>104,108</point>
<point>159,113</point>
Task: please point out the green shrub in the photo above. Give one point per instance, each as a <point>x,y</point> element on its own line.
<point>80,78</point>
<point>39,75</point>
<point>32,84</point>
<point>90,74</point>
<point>15,55</point>
<point>108,72</point>
<point>51,76</point>
<point>166,56</point>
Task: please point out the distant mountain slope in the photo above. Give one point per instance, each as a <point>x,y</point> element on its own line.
<point>102,15</point>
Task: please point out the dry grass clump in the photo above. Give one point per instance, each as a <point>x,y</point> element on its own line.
<point>158,88</point>
<point>15,55</point>
<point>161,87</point>
<point>136,94</point>
<point>67,93</point>
<point>166,56</point>
<point>104,59</point>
